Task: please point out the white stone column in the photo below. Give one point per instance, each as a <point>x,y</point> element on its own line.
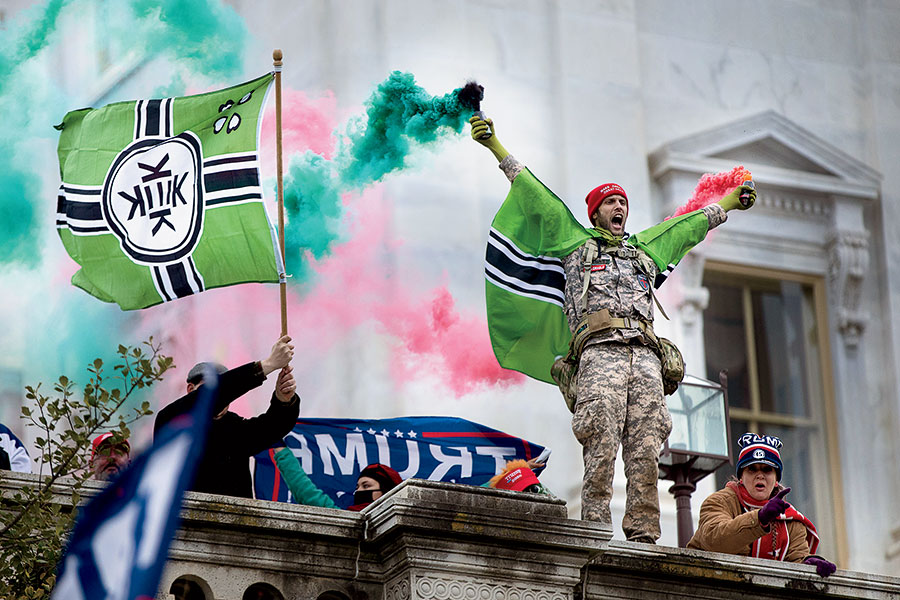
<point>692,300</point>
<point>856,413</point>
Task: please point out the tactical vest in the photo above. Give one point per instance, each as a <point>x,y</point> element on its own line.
<point>618,280</point>
<point>625,298</point>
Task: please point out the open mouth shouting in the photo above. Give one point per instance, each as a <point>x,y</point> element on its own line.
<point>617,223</point>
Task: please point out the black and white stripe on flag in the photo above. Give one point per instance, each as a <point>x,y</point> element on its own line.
<point>508,267</point>
<point>153,118</point>
<point>663,275</point>
<point>231,179</point>
<point>78,209</point>
<point>177,280</point>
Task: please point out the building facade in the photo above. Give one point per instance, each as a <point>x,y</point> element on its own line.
<point>796,298</point>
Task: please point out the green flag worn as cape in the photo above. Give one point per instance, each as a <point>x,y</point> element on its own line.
<point>524,277</point>
<point>161,199</point>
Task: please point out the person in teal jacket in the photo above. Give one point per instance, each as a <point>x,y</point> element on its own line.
<point>374,481</point>
<point>606,302</point>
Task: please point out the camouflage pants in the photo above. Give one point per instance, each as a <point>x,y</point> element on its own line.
<point>620,401</point>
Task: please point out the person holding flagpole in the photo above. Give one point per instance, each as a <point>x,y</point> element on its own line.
<point>224,468</point>
<point>540,259</point>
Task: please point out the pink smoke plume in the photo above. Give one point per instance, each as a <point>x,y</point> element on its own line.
<point>712,187</point>
<point>354,286</point>
<point>306,124</point>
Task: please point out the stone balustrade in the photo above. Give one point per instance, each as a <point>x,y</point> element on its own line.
<point>441,541</point>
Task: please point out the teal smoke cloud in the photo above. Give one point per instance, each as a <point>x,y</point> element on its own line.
<point>400,118</point>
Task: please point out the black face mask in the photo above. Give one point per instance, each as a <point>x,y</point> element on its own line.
<point>363,496</point>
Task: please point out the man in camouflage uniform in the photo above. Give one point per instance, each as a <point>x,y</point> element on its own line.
<point>619,383</point>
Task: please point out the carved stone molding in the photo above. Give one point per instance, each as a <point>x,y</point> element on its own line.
<point>793,204</point>
<point>398,589</point>
<point>435,587</point>
<point>848,263</point>
<point>444,588</point>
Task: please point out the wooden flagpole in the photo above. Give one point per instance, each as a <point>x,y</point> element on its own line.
<point>276,57</point>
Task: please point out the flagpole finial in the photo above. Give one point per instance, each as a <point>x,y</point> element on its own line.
<point>277,56</point>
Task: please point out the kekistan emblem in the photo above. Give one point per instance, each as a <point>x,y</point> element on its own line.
<point>152,198</point>
<point>758,453</point>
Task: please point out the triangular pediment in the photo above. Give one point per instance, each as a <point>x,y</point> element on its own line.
<point>773,153</point>
<point>771,146</point>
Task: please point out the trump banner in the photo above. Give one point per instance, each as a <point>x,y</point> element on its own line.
<point>333,452</point>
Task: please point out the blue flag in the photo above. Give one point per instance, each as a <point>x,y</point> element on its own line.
<point>334,451</point>
<point>121,540</point>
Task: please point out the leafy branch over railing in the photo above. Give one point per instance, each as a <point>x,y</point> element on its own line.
<point>33,524</point>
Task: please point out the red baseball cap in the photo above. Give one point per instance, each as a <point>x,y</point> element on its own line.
<point>600,193</point>
<point>101,439</point>
<point>517,479</point>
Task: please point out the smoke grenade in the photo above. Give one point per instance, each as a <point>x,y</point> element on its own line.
<point>470,96</point>
<point>745,196</point>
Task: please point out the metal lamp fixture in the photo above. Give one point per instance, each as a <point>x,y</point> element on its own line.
<point>698,445</point>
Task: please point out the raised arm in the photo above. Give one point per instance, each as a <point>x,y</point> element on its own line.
<point>281,354</point>
<point>484,132</point>
<point>301,486</point>
<point>741,198</point>
<point>236,382</point>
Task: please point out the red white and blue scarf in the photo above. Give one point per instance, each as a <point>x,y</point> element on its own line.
<point>776,542</point>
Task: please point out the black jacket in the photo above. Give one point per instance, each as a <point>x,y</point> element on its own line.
<point>232,439</point>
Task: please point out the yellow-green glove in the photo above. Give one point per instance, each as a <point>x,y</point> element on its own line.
<point>741,198</point>
<point>480,127</point>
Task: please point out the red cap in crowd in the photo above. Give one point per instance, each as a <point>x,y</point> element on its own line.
<point>102,439</point>
<point>516,479</point>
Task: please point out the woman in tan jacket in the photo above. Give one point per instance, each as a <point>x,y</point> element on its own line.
<point>750,516</point>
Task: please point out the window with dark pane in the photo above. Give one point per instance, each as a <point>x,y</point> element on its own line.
<point>725,340</point>
<point>763,328</point>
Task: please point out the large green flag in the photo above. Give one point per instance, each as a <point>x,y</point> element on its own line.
<point>524,276</point>
<point>161,199</point>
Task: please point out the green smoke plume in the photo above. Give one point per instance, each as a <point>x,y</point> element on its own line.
<point>399,114</point>
<point>400,118</point>
<point>199,36</point>
<point>19,187</point>
<point>200,41</point>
